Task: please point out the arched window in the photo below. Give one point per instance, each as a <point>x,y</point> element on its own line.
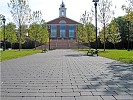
<point>62,22</point>
<point>62,13</point>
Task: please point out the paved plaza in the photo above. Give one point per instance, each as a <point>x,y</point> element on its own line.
<point>66,75</point>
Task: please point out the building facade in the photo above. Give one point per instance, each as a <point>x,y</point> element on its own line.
<point>62,31</point>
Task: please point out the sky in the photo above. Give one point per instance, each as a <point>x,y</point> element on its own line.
<point>50,8</point>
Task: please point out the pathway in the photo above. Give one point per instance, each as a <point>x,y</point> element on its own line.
<point>66,75</point>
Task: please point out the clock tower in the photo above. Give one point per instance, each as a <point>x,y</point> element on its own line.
<point>62,10</point>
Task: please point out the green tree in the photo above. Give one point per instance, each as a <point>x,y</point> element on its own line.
<point>102,36</point>
<point>1,33</point>
<point>36,29</point>
<point>114,36</point>
<point>11,33</point>
<point>123,28</point>
<point>1,27</point>
<point>44,35</point>
<point>90,30</point>
<point>21,14</point>
<point>128,8</point>
<point>104,15</point>
<point>131,34</point>
<point>34,32</point>
<point>87,31</point>
<point>24,31</point>
<point>81,36</point>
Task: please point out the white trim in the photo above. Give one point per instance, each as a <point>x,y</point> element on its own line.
<point>60,24</point>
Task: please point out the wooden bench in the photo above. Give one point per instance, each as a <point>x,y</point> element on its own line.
<point>92,52</point>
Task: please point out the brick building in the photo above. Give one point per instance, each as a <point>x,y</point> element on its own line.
<point>62,31</point>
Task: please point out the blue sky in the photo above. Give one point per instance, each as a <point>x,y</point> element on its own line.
<point>50,8</point>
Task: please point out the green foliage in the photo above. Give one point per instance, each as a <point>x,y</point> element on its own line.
<point>121,23</point>
<point>131,32</point>
<point>101,36</point>
<point>114,36</point>
<point>112,33</point>
<point>24,31</point>
<point>129,17</point>
<point>44,35</point>
<point>39,33</point>
<point>1,27</point>
<point>86,33</point>
<point>90,31</point>
<point>86,30</point>
<point>12,54</point>
<point>104,15</point>
<point>34,31</point>
<point>81,33</point>
<point>11,33</point>
<point>1,33</point>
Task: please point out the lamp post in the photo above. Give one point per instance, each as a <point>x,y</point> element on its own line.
<point>4,21</point>
<point>128,22</point>
<point>49,27</point>
<point>95,4</point>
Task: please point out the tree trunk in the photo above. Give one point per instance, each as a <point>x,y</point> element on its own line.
<point>41,46</point>
<point>104,30</point>
<point>82,45</point>
<point>20,46</point>
<point>89,46</point>
<point>104,38</point>
<point>78,43</point>
<point>35,44</point>
<point>11,45</point>
<point>123,44</point>
<point>131,45</point>
<point>45,45</point>
<point>114,46</point>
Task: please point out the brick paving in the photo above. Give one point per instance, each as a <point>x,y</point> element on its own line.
<point>66,75</point>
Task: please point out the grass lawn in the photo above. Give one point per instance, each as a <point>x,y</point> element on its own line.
<point>120,55</point>
<point>11,54</point>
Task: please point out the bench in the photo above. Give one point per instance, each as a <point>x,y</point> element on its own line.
<point>92,52</point>
<point>44,50</point>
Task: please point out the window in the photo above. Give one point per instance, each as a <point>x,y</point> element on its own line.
<point>71,31</point>
<point>62,30</point>
<point>53,31</point>
<point>62,22</point>
<point>62,13</point>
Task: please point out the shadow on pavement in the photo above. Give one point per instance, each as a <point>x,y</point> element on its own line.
<point>79,55</point>
<point>117,81</point>
<point>75,55</point>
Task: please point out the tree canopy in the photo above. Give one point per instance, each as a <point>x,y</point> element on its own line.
<point>21,14</point>
<point>11,33</point>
